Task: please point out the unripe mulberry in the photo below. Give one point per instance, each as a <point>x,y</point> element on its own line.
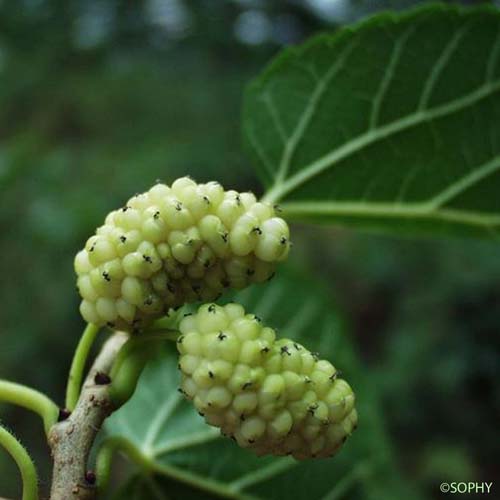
<point>176,245</point>
<point>272,396</point>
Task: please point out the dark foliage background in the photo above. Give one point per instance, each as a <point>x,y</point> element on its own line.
<point>98,99</point>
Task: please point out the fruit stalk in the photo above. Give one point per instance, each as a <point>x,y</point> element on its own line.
<point>78,365</point>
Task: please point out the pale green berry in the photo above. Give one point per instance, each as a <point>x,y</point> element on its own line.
<point>272,396</point>
<point>175,245</point>
<point>88,311</point>
<point>87,291</point>
<point>82,263</point>
<point>125,310</point>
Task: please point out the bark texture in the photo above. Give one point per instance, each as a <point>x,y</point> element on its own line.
<point>71,440</point>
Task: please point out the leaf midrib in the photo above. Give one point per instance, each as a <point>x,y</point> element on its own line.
<point>375,209</point>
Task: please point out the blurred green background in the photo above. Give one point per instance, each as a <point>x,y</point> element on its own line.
<point>98,99</point>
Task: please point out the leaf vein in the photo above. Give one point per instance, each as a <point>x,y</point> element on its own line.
<point>260,153</point>
<point>264,473</point>
<point>459,186</point>
<point>388,75</point>
<point>275,116</point>
<point>440,65</point>
<point>162,415</point>
<point>307,114</point>
<point>492,60</point>
<point>183,442</point>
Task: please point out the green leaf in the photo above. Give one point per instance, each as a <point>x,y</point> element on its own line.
<point>389,124</point>
<point>167,438</point>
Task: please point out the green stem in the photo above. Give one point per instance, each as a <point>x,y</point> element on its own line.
<point>106,453</point>
<point>32,400</point>
<point>131,360</point>
<point>78,365</point>
<point>23,461</point>
<point>136,341</point>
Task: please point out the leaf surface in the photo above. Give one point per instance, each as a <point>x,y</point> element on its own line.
<point>390,124</point>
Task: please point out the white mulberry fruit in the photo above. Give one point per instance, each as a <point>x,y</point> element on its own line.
<point>176,245</point>
<point>271,396</point>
